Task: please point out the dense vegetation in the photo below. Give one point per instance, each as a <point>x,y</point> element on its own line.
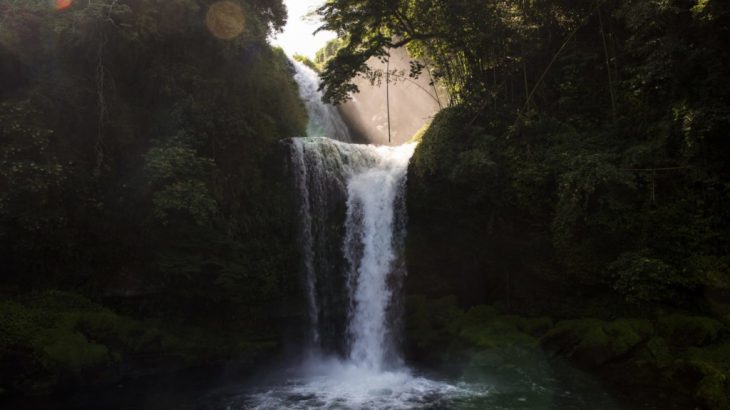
<point>578,182</point>
<point>144,219</point>
<point>582,171</point>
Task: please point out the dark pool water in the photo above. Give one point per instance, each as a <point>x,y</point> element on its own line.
<point>514,380</point>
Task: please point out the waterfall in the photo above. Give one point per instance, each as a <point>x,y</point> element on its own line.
<point>352,227</point>
<point>352,196</point>
<point>324,119</point>
<point>352,213</point>
<point>375,228</point>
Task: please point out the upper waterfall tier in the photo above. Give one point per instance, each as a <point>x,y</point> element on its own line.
<point>324,119</point>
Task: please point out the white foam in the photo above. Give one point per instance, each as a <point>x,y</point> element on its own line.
<point>335,384</point>
<point>370,227</point>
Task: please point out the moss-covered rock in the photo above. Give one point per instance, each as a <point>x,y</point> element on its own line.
<point>55,340</point>
<point>718,354</point>
<point>13,321</point>
<point>482,328</point>
<point>127,335</point>
<point>630,353</point>
<point>592,342</point>
<point>713,390</point>
<point>656,354</point>
<point>536,326</point>
<point>437,330</point>
<point>633,352</point>
<point>71,352</point>
<point>59,301</point>
<point>430,324</point>
<point>43,347</point>
<point>684,330</point>
<point>705,381</point>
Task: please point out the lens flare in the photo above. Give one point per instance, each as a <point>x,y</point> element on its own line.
<point>62,4</point>
<point>225,20</point>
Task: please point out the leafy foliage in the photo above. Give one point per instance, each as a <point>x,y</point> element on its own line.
<point>55,339</point>
<point>178,174</point>
<point>139,158</point>
<point>607,174</point>
<point>644,279</point>
<point>582,166</point>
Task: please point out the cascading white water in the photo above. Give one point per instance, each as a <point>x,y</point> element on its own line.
<point>352,209</point>
<point>305,215</point>
<point>374,196</point>
<point>356,269</point>
<point>352,213</point>
<point>324,119</point>
<point>370,181</point>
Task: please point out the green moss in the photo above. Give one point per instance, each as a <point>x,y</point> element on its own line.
<point>713,389</point>
<point>656,353</point>
<point>625,334</point>
<point>431,323</point>
<point>437,329</point>
<point>71,352</point>
<point>495,336</point>
<point>59,301</point>
<point>14,323</point>
<point>307,62</point>
<point>440,143</point>
<point>718,304</point>
<point>685,331</point>
<point>479,314</point>
<point>61,339</point>
<point>719,354</point>
<point>593,342</point>
<point>535,326</point>
<point>127,335</point>
<point>45,344</point>
<point>418,136</point>
<point>567,333</point>
<point>482,328</point>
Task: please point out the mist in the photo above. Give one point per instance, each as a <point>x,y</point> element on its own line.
<point>413,103</point>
